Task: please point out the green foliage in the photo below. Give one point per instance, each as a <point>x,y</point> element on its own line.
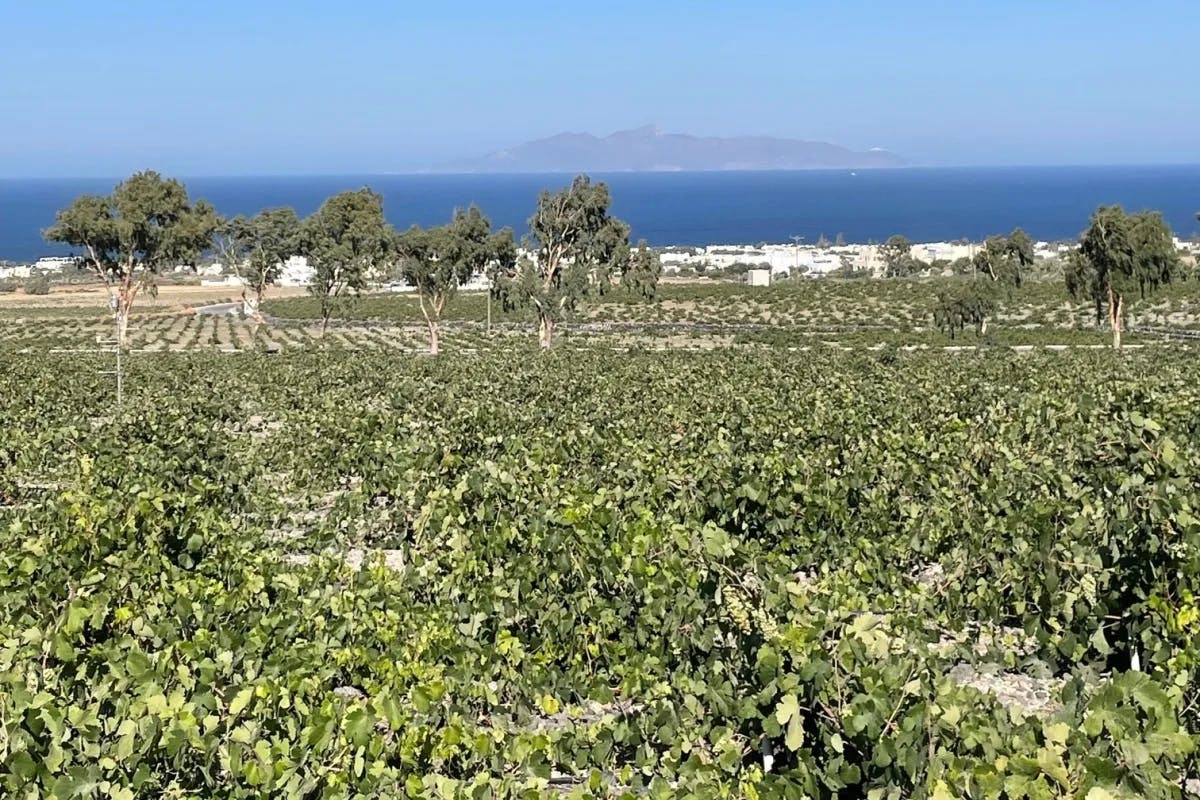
<point>830,308</point>
<point>438,260</point>
<point>1002,258</point>
<point>347,242</point>
<point>258,247</point>
<point>640,276</point>
<point>148,224</point>
<point>898,260</point>
<point>37,284</point>
<point>969,304</point>
<point>997,271</point>
<point>1121,256</point>
<point>578,247</point>
<point>625,573</point>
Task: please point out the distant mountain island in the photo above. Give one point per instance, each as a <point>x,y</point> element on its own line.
<point>649,149</point>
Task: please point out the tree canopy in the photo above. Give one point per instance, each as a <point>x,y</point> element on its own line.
<point>577,247</point>
<point>347,241</point>
<point>896,253</point>
<point>1121,255</point>
<point>969,305</point>
<point>147,224</point>
<point>1002,258</point>
<point>640,276</point>
<point>257,248</point>
<point>997,269</point>
<point>436,261</point>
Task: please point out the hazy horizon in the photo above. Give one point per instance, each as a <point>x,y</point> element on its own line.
<point>601,173</point>
<point>275,88</point>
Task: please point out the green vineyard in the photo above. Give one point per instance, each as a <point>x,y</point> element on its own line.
<point>336,572</point>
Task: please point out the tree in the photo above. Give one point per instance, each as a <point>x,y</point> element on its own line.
<point>961,266</point>
<point>1002,258</point>
<point>969,305</point>
<point>896,253</point>
<point>37,284</point>
<point>948,314</point>
<point>504,251</point>
<point>1121,254</point>
<point>146,225</point>
<point>640,276</point>
<point>257,249</point>
<point>577,247</point>
<point>1000,265</point>
<point>438,260</point>
<point>347,241</point>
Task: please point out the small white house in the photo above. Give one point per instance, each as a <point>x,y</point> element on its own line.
<point>54,263</point>
<point>228,280</point>
<point>21,271</point>
<point>296,272</point>
<point>758,277</point>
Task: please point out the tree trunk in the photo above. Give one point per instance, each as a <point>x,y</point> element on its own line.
<point>251,305</point>
<point>1115,310</point>
<point>122,326</point>
<point>432,314</point>
<point>125,297</point>
<point>545,331</point>
<point>326,313</point>
<point>433,336</point>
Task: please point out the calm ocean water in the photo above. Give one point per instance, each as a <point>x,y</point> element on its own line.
<point>931,204</point>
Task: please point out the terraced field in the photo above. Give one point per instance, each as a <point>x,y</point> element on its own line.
<point>816,314</point>
<point>894,305</point>
<point>189,332</point>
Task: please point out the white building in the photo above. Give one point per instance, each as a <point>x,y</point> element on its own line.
<point>785,259</point>
<point>54,263</point>
<point>296,272</point>
<point>477,283</point>
<point>20,271</point>
<point>228,280</point>
<point>759,277</point>
<point>930,252</point>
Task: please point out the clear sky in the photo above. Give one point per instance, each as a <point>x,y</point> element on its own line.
<point>366,86</point>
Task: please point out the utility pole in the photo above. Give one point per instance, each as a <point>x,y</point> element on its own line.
<point>796,240</point>
<point>116,306</point>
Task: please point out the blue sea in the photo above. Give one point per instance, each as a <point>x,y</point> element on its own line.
<point>925,204</point>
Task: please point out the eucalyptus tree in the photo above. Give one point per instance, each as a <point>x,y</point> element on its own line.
<point>436,261</point>
<point>896,254</point>
<point>146,225</point>
<point>1002,258</point>
<point>257,248</point>
<point>576,247</point>
<point>968,305</point>
<point>640,276</point>
<point>347,242</point>
<point>1121,255</point>
<point>998,270</point>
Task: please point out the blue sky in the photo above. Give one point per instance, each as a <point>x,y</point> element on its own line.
<point>368,86</point>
